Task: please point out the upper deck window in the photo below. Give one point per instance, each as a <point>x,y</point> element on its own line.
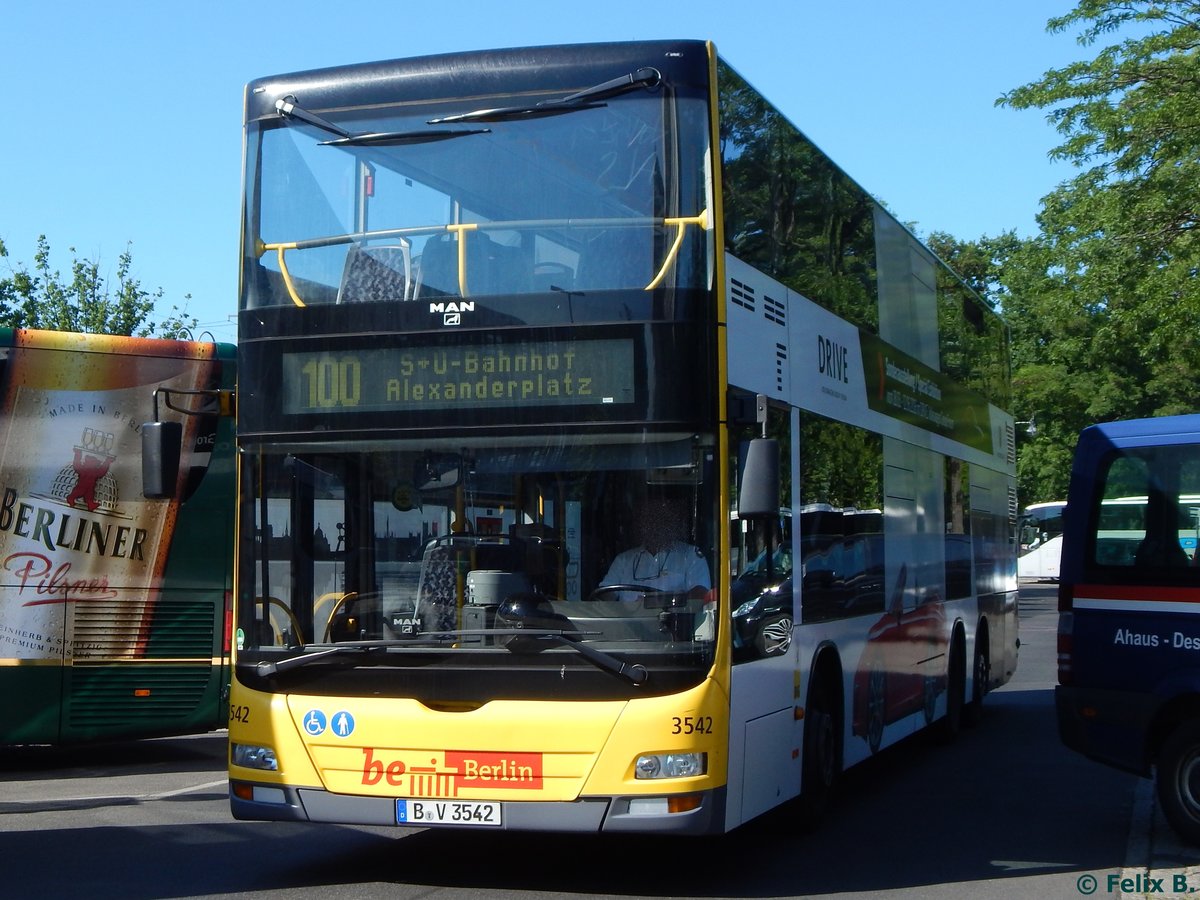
<point>408,202</point>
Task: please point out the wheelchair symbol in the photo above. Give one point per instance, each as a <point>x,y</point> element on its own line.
<point>314,722</point>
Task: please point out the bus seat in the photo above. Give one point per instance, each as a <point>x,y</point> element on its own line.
<point>509,271</point>
<point>437,589</point>
<point>1166,553</point>
<point>374,273</point>
<point>437,275</point>
<point>616,258</point>
<point>437,269</point>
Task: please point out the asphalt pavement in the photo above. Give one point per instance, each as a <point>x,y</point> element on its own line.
<point>1157,862</point>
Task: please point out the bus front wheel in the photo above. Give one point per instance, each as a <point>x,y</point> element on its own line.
<point>1178,780</point>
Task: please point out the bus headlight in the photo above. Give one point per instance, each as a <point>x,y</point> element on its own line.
<point>670,765</point>
<point>252,756</point>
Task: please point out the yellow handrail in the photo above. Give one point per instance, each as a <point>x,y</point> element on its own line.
<point>681,223</point>
<point>460,230</point>
<point>340,600</point>
<point>287,276</point>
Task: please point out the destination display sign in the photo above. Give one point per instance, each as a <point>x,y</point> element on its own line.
<point>467,377</point>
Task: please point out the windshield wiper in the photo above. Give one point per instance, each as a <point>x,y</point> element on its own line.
<point>589,98</point>
<point>524,640</point>
<point>290,109</point>
<point>267,667</point>
<point>400,138</point>
<point>635,673</point>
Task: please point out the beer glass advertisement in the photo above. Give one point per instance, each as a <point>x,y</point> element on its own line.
<point>81,551</point>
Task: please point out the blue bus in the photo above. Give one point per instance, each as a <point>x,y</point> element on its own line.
<point>1129,607</point>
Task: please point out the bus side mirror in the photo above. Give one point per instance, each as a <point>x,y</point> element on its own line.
<point>162,444</point>
<point>758,478</point>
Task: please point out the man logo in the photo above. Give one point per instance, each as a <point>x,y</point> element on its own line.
<point>452,311</point>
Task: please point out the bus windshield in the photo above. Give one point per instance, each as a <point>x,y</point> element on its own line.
<point>482,197</point>
<point>506,558</point>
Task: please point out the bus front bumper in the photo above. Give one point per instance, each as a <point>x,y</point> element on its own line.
<point>595,814</point>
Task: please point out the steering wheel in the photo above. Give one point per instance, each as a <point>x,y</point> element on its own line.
<point>601,592</point>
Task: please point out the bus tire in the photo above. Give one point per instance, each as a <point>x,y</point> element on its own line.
<point>1178,780</point>
<point>981,670</point>
<point>822,763</point>
<point>956,689</point>
<point>876,706</point>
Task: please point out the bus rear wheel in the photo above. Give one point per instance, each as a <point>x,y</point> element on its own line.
<point>822,764</point>
<point>981,675</point>
<point>1178,780</point>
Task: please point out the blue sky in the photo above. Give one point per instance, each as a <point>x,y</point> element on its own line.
<point>122,120</point>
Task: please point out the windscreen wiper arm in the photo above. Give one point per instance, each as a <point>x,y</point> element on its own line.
<point>635,673</point>
<point>290,109</point>
<point>646,77</point>
<point>268,667</point>
<point>400,138</point>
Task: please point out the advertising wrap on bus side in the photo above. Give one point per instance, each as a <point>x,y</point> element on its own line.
<point>113,617</point>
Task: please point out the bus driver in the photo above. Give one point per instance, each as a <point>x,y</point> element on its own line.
<point>663,560</point>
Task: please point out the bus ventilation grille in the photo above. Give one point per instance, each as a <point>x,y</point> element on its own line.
<point>774,311</point>
<point>742,295</point>
<point>166,628</point>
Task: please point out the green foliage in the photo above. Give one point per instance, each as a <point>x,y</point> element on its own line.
<point>1103,302</point>
<point>86,302</point>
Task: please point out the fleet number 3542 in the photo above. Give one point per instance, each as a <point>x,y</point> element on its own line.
<point>691,725</point>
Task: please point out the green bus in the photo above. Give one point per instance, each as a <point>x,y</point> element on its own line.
<point>114,609</point>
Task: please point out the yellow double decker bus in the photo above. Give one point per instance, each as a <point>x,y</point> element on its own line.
<point>497,305</point>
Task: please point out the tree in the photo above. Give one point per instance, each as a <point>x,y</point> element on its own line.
<point>86,303</point>
<point>1103,303</point>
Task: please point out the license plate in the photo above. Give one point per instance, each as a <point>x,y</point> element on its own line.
<point>448,812</point>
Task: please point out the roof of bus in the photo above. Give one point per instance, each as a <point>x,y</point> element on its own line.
<point>1185,426</point>
<point>116,344</point>
<point>477,73</point>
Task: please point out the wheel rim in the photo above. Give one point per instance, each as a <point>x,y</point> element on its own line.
<point>983,672</point>
<point>777,636</point>
<point>1189,784</point>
